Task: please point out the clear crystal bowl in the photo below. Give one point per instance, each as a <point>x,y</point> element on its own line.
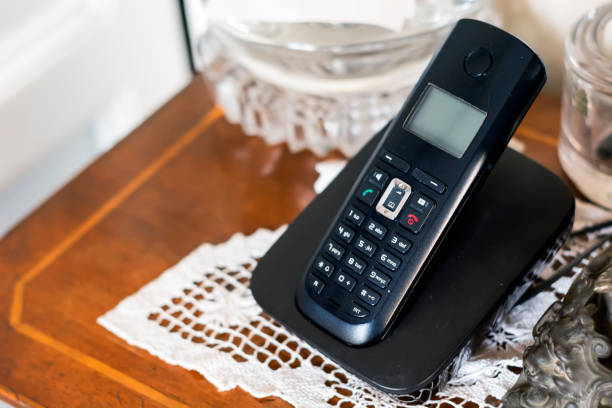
<point>323,86</point>
<point>585,147</point>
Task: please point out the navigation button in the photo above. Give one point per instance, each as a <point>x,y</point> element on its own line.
<point>394,198</point>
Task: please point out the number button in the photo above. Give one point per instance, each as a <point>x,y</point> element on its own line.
<point>345,233</point>
<point>355,216</point>
<point>376,229</point>
<point>369,296</point>
<point>379,279</point>
<point>399,243</point>
<point>368,193</point>
<point>356,264</point>
<point>324,266</point>
<point>345,281</point>
<point>365,246</point>
<point>389,261</point>
<point>334,250</point>
<point>315,284</point>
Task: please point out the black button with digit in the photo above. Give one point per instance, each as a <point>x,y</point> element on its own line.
<point>334,250</point>
<point>378,278</point>
<point>365,246</point>
<point>346,281</point>
<point>345,233</point>
<point>399,243</point>
<point>354,215</point>
<point>356,264</point>
<point>389,261</point>
<point>376,229</point>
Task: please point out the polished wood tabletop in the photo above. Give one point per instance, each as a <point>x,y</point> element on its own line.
<point>184,177</point>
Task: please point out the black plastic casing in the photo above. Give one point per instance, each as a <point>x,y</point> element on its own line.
<point>505,93</point>
<point>500,241</point>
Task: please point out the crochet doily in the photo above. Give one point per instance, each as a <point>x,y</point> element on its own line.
<point>200,314</point>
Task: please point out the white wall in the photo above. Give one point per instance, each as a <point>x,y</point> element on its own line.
<point>544,25</point>
<point>75,77</point>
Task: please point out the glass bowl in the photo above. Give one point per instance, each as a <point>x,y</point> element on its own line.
<point>323,86</point>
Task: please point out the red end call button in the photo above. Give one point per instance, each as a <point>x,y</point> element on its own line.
<point>412,221</point>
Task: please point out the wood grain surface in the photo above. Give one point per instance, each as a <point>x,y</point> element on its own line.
<point>184,177</point>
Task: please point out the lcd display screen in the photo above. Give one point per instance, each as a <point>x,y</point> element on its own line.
<point>445,121</point>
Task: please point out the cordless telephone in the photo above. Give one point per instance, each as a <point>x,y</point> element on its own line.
<point>439,148</point>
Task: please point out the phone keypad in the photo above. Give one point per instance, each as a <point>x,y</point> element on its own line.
<point>324,266</point>
<point>389,261</point>
<point>334,250</point>
<point>315,284</point>
<point>346,281</point>
<point>369,296</point>
<point>376,229</point>
<point>345,233</point>
<point>379,278</point>
<point>355,216</point>
<point>364,246</point>
<point>399,243</point>
<point>356,264</point>
<point>368,246</point>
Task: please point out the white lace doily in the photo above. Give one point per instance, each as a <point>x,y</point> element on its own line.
<point>200,315</point>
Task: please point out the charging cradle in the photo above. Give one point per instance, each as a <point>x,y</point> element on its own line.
<point>509,229</point>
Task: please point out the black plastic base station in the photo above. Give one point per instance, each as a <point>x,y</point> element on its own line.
<point>513,225</point>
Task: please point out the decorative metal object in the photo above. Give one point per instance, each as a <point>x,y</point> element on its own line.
<point>570,364</point>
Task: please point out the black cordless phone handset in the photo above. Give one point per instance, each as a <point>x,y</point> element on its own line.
<point>436,151</point>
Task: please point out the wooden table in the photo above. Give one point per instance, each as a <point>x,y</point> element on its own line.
<point>184,177</point>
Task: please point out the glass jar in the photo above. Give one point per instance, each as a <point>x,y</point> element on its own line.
<point>323,86</point>
<point>585,148</point>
